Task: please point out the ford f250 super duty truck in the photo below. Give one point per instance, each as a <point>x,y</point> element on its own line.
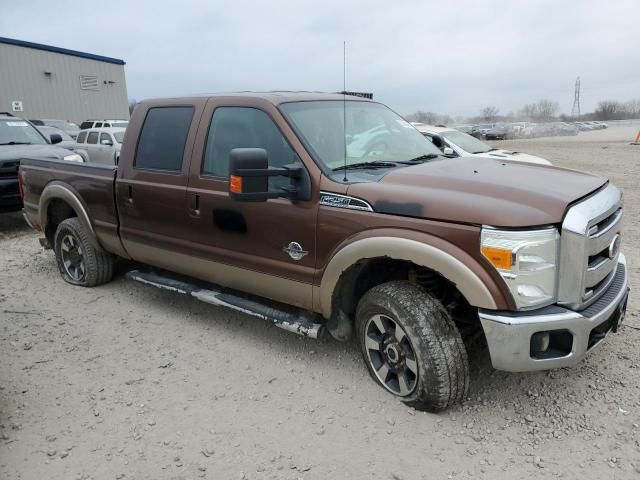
<point>320,212</point>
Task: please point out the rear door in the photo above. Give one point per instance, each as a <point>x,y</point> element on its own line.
<point>152,182</point>
<point>245,243</point>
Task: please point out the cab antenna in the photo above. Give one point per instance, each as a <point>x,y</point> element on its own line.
<point>344,106</point>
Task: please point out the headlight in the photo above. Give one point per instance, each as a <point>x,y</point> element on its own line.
<point>74,157</point>
<point>527,260</point>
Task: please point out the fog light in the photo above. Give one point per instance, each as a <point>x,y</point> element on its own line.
<point>539,343</point>
<point>551,344</point>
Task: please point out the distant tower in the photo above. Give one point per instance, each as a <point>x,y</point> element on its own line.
<point>575,111</point>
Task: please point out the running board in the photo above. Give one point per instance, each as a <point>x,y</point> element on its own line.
<point>288,318</point>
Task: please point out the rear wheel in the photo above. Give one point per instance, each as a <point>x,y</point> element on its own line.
<point>411,346</point>
<point>79,260</point>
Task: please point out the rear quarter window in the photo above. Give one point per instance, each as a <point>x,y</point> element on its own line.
<point>163,138</point>
<point>81,137</point>
<point>85,125</point>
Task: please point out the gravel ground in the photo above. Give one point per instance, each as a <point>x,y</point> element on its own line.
<point>125,381</point>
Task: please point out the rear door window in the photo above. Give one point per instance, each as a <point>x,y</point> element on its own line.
<point>163,138</point>
<point>98,125</point>
<point>92,138</point>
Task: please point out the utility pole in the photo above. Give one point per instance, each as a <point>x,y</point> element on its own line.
<point>575,111</point>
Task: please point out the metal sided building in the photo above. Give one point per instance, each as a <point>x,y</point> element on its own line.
<point>41,81</point>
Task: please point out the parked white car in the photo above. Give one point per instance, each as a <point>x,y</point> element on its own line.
<point>103,123</point>
<point>102,145</point>
<point>459,144</point>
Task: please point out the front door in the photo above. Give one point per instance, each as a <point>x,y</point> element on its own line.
<point>91,146</point>
<point>265,248</point>
<point>104,149</point>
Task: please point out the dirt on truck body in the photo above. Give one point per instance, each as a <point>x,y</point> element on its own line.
<point>273,205</point>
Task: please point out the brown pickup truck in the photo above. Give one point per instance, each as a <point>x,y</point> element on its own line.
<point>320,212</point>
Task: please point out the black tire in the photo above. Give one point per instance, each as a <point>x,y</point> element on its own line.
<point>94,265</point>
<point>431,341</point>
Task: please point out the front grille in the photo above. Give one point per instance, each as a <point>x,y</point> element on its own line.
<point>589,248</point>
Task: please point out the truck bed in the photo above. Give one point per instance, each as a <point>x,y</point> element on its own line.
<point>92,184</point>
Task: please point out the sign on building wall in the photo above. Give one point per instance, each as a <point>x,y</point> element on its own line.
<point>16,106</point>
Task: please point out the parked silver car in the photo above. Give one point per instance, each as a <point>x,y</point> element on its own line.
<point>102,145</point>
<point>69,128</point>
<point>66,142</point>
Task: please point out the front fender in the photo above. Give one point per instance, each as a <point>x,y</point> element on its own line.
<point>457,266</point>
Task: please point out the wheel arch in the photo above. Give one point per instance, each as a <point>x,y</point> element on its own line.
<point>59,202</point>
<point>443,258</point>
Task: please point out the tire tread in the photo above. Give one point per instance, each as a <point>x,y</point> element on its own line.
<point>442,357</point>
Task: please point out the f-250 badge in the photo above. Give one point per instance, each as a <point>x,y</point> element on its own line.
<point>295,251</point>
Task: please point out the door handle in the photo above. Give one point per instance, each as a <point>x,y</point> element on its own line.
<point>194,205</point>
<point>130,194</point>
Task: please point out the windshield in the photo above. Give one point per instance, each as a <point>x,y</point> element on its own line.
<point>119,136</point>
<point>18,132</point>
<point>373,132</point>
<point>466,142</point>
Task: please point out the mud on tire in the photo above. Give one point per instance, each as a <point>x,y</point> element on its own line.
<point>402,328</point>
<point>80,261</point>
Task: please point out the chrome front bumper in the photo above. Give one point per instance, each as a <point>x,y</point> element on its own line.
<point>509,333</point>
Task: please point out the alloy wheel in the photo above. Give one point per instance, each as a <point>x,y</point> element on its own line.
<point>72,257</point>
<point>391,355</point>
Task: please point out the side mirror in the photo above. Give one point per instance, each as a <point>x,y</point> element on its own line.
<point>106,142</point>
<point>249,174</point>
<point>448,151</point>
<point>55,138</point>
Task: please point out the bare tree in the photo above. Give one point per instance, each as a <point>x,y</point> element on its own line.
<point>544,110</point>
<point>430,118</point>
<point>608,110</point>
<point>547,110</point>
<point>489,113</point>
<point>529,112</point>
<point>632,108</point>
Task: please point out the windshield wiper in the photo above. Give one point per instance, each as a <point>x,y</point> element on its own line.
<point>420,159</point>
<point>361,165</point>
<point>16,143</point>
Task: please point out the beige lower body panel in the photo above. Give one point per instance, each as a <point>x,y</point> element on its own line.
<point>275,288</point>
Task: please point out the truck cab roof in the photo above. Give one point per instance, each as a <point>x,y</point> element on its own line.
<point>275,97</point>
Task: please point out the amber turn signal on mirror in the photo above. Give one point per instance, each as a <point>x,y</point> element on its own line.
<point>235,184</point>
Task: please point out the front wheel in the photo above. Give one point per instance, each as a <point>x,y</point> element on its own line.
<point>79,260</point>
<point>411,346</point>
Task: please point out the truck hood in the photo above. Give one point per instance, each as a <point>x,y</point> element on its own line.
<point>479,191</point>
<point>16,152</point>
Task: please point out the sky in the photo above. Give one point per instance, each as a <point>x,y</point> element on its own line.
<point>453,57</point>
